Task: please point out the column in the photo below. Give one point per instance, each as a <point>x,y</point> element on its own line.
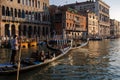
<point>41,19</point>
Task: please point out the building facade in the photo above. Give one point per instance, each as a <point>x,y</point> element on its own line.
<point>101,9</point>
<point>27,18</point>
<point>114,28</point>
<point>69,23</point>
<point>92,24</point>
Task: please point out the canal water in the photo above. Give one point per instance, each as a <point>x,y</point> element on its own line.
<point>100,60</point>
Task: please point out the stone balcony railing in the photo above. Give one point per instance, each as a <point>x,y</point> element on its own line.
<point>7,18</point>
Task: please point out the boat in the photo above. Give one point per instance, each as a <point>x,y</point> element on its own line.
<point>96,38</point>
<point>81,45</point>
<point>8,68</point>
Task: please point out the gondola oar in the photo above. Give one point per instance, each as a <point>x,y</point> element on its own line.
<point>19,56</point>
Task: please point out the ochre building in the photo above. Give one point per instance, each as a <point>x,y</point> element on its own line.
<point>69,23</point>
<point>27,18</point>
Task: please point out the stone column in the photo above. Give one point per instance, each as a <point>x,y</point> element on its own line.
<point>0,18</point>
<point>41,15</point>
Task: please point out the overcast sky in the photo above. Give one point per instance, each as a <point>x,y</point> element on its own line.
<point>114,6</point>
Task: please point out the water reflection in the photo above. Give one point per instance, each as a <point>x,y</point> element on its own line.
<point>98,61</point>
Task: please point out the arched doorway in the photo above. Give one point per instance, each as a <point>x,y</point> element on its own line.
<point>7,30</point>
<point>13,30</point>
<point>30,31</point>
<point>43,31</point>
<point>35,31</point>
<point>3,10</point>
<point>24,30</point>
<point>47,29</point>
<point>39,31</point>
<point>20,30</point>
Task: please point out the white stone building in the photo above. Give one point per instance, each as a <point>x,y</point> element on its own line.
<point>114,28</point>
<point>92,24</point>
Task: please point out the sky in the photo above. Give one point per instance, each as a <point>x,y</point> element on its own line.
<point>114,6</point>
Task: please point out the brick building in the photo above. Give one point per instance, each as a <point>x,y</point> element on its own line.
<point>69,23</point>
<point>101,9</point>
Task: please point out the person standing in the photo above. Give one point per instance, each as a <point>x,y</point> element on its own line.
<point>15,48</point>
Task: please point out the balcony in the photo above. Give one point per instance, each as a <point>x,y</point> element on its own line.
<point>7,18</point>
<point>77,22</point>
<point>16,19</point>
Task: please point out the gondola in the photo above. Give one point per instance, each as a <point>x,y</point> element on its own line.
<point>81,45</point>
<point>9,68</point>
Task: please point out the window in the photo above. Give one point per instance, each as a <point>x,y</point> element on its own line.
<point>23,14</point>
<point>26,15</point>
<point>18,1</point>
<point>39,16</point>
<point>15,12</point>
<point>43,6</point>
<point>19,13</point>
<point>7,12</point>
<point>29,2</point>
<point>23,2</point>
<point>11,11</point>
<point>38,4</point>
<point>35,15</point>
<point>93,17</point>
<point>29,16</point>
<point>32,3</point>
<point>3,10</point>
<point>26,2</point>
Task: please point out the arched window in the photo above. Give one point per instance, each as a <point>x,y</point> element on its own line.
<point>23,2</point>
<point>43,31</point>
<point>15,12</point>
<point>18,1</point>
<point>24,30</point>
<point>35,15</point>
<point>39,31</point>
<point>30,16</point>
<point>23,14</point>
<point>35,30</point>
<point>47,31</point>
<point>20,30</point>
<point>13,30</point>
<point>7,31</point>
<point>38,16</point>
<point>19,13</point>
<point>7,11</point>
<point>30,32</point>
<point>3,10</point>
<point>32,3</point>
<point>11,11</point>
<point>26,15</point>
<point>26,2</point>
<point>29,2</point>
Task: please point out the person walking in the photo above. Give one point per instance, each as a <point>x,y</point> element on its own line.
<point>15,48</point>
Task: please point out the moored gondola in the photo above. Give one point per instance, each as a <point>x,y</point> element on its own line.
<point>81,45</point>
